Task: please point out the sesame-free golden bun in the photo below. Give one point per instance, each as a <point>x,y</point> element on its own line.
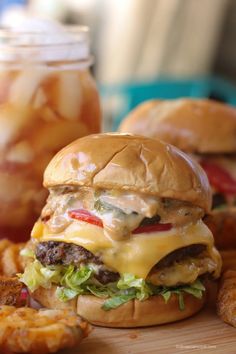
<point>193,125</point>
<point>135,313</point>
<point>130,163</point>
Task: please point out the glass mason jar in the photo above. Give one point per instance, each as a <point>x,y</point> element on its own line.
<point>47,99</point>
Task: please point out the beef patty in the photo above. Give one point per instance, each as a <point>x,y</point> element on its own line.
<point>179,254</point>
<point>54,253</point>
<point>61,253</point>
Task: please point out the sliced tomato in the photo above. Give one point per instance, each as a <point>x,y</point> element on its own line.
<point>84,215</point>
<point>219,178</point>
<point>152,228</point>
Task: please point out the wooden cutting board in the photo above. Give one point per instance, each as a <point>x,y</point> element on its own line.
<point>203,333</point>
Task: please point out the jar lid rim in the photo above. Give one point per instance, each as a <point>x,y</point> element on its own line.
<point>10,36</point>
<point>40,45</point>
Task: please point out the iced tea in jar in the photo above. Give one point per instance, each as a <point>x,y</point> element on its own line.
<point>48,98</point>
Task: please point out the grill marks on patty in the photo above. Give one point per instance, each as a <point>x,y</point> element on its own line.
<point>56,253</point>
<point>61,253</point>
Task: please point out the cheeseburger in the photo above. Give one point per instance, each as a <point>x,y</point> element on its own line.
<point>121,238</point>
<point>206,130</point>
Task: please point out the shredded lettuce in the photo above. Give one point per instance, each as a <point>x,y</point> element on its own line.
<point>36,275</point>
<point>65,294</point>
<point>195,289</point>
<point>26,252</point>
<point>72,281</point>
<point>166,296</point>
<point>181,300</point>
<point>75,277</point>
<point>128,281</point>
<point>116,301</point>
<point>101,291</point>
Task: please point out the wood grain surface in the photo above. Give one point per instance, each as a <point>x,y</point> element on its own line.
<point>203,333</point>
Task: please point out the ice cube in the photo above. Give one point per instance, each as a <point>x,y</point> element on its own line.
<point>21,152</point>
<point>7,131</point>
<point>40,99</point>
<point>70,95</point>
<point>47,114</point>
<point>12,120</point>
<point>26,83</point>
<point>5,83</point>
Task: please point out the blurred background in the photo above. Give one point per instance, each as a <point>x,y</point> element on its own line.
<point>145,49</point>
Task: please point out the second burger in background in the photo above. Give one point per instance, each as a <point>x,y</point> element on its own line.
<point>121,238</point>
<point>206,130</point>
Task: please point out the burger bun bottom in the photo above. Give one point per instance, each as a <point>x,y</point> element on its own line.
<point>153,311</point>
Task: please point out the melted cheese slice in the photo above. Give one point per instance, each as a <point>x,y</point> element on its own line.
<point>136,254</point>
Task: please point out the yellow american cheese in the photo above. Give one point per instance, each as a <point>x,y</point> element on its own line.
<point>136,254</point>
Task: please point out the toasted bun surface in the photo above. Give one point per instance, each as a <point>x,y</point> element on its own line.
<point>152,311</point>
<point>202,126</point>
<point>130,163</point>
<point>47,298</point>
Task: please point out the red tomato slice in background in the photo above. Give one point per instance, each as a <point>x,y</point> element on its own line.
<point>219,178</point>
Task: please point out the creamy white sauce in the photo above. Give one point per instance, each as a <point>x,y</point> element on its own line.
<point>120,212</point>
